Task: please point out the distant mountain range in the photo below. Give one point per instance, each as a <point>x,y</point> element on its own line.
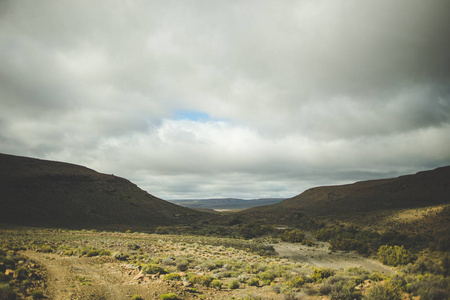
<point>38,192</point>
<point>225,203</point>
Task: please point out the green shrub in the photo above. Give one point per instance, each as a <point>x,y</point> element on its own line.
<point>376,276</point>
<point>346,293</point>
<point>46,249</point>
<point>120,256</point>
<point>293,236</point>
<point>325,288</point>
<point>394,255</point>
<point>276,288</point>
<point>308,243</point>
<point>137,297</point>
<point>321,273</point>
<point>183,265</point>
<point>432,263</point>
<point>213,264</point>
<point>93,252</point>
<point>168,261</point>
<point>170,296</point>
<point>200,279</point>
<point>152,269</point>
<point>83,280</point>
<point>254,281</point>
<point>7,263</point>
<point>349,245</point>
<point>4,277</point>
<point>297,281</point>
<point>430,287</point>
<point>266,277</point>
<point>22,273</point>
<point>37,295</point>
<point>234,284</point>
<point>339,288</point>
<point>386,291</point>
<point>217,284</point>
<point>6,292</point>
<point>68,252</point>
<point>172,276</point>
<point>104,252</point>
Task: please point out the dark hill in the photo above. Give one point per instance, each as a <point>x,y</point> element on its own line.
<point>46,193</point>
<point>361,199</point>
<point>425,188</point>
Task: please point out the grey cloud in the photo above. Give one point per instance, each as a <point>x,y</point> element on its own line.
<point>308,92</point>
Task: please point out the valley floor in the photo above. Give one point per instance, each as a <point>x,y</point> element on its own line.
<point>77,265</point>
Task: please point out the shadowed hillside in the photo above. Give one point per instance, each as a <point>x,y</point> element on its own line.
<point>425,188</point>
<point>46,193</point>
<point>362,201</point>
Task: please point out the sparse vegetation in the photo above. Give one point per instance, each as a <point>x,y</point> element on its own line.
<point>293,236</point>
<point>211,256</point>
<point>394,256</point>
<point>19,276</point>
<point>37,295</point>
<point>170,296</point>
<point>217,284</point>
<point>385,291</point>
<point>200,266</point>
<point>319,274</point>
<point>234,284</point>
<point>172,276</point>
<point>152,269</point>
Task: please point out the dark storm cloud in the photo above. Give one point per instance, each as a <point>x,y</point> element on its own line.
<point>296,93</point>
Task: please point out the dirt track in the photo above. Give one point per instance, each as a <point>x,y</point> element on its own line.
<point>77,278</point>
<point>320,256</point>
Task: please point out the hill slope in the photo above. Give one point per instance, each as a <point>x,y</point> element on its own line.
<point>425,188</point>
<point>362,202</point>
<point>46,193</point>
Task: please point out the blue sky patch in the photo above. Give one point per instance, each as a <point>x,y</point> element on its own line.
<point>193,115</point>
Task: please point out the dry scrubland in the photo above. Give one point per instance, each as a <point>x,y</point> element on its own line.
<point>63,264</point>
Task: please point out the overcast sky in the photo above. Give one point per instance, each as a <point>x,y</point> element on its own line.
<point>249,99</point>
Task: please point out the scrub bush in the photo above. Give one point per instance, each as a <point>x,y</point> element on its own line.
<point>386,291</point>
<point>394,255</point>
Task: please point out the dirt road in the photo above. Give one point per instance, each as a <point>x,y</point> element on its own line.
<point>104,278</point>
<point>320,256</point>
